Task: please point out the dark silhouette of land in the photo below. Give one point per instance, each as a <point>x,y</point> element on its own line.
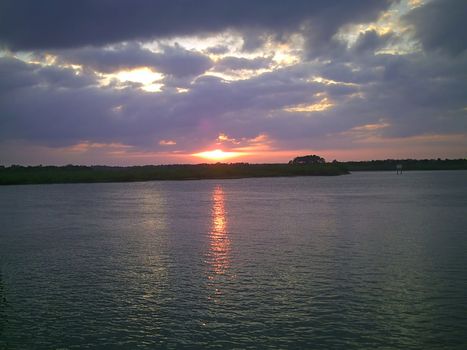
<point>75,174</point>
<point>301,166</point>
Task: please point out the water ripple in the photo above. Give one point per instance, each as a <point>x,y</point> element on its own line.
<point>359,262</point>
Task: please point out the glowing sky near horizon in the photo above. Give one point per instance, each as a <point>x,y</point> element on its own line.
<point>369,79</point>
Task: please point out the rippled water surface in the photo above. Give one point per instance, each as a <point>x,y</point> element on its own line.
<point>363,261</point>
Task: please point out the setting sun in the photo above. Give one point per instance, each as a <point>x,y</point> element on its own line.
<point>217,155</point>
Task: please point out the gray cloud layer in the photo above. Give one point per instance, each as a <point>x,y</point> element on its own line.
<point>49,24</point>
<point>410,94</point>
<point>174,60</point>
<point>441,25</point>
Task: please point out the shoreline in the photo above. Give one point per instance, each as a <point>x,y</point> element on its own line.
<point>103,174</point>
<point>29,175</point>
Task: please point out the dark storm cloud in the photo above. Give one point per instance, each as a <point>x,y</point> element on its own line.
<point>173,60</point>
<point>441,24</point>
<point>26,25</point>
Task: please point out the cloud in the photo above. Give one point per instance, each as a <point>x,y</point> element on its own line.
<point>253,39</point>
<point>179,62</point>
<point>337,92</point>
<point>172,60</point>
<point>167,143</point>
<point>16,74</point>
<point>411,95</point>
<point>441,25</point>
<point>371,40</point>
<point>47,24</point>
<point>218,50</point>
<point>239,63</point>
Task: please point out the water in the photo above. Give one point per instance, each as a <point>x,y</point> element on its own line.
<point>363,261</point>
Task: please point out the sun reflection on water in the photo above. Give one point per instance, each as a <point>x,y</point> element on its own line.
<point>218,237</point>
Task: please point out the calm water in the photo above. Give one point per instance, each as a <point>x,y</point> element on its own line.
<point>364,261</point>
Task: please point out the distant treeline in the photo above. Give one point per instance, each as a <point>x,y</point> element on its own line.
<point>16,174</point>
<point>407,164</point>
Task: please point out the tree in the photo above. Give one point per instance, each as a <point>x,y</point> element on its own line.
<point>310,159</point>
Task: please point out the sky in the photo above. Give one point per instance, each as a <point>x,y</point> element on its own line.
<point>132,82</point>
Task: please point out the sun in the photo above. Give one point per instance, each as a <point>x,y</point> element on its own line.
<point>217,155</point>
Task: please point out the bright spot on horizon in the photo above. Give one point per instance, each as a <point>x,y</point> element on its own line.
<point>217,155</point>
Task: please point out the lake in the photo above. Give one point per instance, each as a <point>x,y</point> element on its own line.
<point>363,261</point>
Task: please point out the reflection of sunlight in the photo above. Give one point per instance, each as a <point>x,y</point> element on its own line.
<point>219,240</point>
